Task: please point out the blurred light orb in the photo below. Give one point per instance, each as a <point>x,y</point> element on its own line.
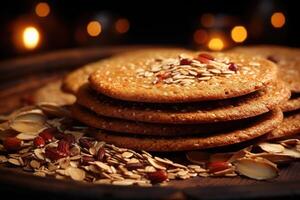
<point>215,44</point>
<point>31,37</point>
<point>239,34</point>
<point>94,28</point>
<point>277,19</point>
<point>42,9</point>
<point>122,25</point>
<point>200,36</point>
<point>207,20</point>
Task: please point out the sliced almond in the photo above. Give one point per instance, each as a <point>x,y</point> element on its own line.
<point>76,173</point>
<point>103,166</point>
<point>14,161</point>
<point>258,168</point>
<point>271,148</point>
<point>25,136</point>
<point>28,122</point>
<point>54,109</point>
<point>275,158</point>
<point>156,164</point>
<point>198,157</point>
<point>3,159</point>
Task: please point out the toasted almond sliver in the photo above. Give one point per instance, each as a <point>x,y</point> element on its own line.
<point>14,161</point>
<point>76,173</point>
<point>24,136</point>
<point>259,168</point>
<point>3,159</point>
<point>156,164</point>
<point>271,148</point>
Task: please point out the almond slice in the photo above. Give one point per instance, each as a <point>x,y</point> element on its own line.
<point>256,168</point>
<point>54,110</point>
<point>271,148</point>
<point>75,173</point>
<point>29,122</point>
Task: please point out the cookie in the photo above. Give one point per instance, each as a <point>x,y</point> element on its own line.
<point>287,59</point>
<point>174,76</point>
<point>266,123</point>
<point>52,93</point>
<point>77,78</point>
<point>143,128</point>
<point>290,126</point>
<point>186,113</point>
<point>292,104</point>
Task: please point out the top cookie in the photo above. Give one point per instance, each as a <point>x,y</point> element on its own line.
<point>287,59</point>
<point>174,76</point>
<point>74,80</point>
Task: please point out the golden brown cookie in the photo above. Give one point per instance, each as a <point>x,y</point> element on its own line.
<point>287,59</point>
<point>173,76</point>
<point>292,104</point>
<point>77,78</point>
<point>203,112</point>
<point>52,93</point>
<point>143,128</point>
<point>290,126</point>
<point>266,123</point>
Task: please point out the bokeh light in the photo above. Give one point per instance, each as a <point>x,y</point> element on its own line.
<point>239,34</point>
<point>215,44</point>
<point>200,36</point>
<point>207,20</point>
<point>94,28</point>
<point>42,9</point>
<point>31,37</point>
<point>278,20</point>
<point>122,25</point>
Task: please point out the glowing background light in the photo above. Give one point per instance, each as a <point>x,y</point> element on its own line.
<point>200,36</point>
<point>278,20</point>
<point>42,9</point>
<point>239,34</point>
<point>122,25</point>
<point>31,37</point>
<point>216,44</point>
<point>94,28</point>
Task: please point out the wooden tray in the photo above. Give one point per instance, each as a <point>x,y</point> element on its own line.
<point>21,77</point>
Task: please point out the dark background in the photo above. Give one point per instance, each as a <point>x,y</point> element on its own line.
<point>151,22</point>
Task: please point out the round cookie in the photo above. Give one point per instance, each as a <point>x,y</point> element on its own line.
<point>143,128</point>
<point>52,93</point>
<point>287,59</point>
<point>267,122</point>
<point>290,126</point>
<point>292,104</point>
<point>203,112</point>
<point>174,76</point>
<point>78,77</point>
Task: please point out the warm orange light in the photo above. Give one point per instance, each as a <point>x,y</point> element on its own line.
<point>94,28</point>
<point>122,25</point>
<point>200,36</point>
<point>278,20</point>
<point>207,20</point>
<point>42,9</point>
<point>239,34</point>
<point>216,44</point>
<point>31,37</point>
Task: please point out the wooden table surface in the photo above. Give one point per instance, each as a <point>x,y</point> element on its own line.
<point>19,78</point>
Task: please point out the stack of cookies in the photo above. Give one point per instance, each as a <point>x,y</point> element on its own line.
<point>175,99</point>
<point>288,61</point>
